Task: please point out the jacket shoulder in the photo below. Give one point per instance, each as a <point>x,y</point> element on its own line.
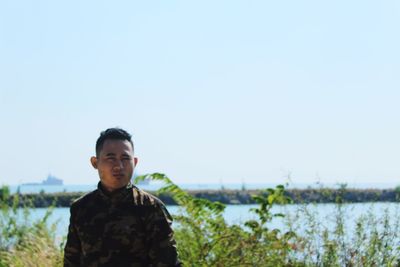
<point>86,198</point>
<point>155,205</point>
<point>143,198</point>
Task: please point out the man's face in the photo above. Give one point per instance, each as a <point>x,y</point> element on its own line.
<point>115,164</point>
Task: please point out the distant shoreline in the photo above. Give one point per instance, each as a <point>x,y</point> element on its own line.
<point>238,197</point>
<point>37,188</point>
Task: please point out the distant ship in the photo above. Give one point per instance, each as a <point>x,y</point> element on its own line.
<point>51,180</point>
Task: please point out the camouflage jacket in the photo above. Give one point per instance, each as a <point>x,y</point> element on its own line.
<point>125,228</point>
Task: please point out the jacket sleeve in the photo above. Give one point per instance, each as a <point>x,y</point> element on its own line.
<point>160,237</point>
<point>72,250</point>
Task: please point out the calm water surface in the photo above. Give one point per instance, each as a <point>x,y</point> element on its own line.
<point>298,215</point>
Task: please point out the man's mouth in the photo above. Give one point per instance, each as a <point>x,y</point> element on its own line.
<point>118,175</point>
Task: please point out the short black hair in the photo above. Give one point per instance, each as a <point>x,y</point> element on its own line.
<point>113,134</point>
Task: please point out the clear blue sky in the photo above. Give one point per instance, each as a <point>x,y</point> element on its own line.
<point>212,91</point>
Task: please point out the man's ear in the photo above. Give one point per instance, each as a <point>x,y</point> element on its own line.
<point>93,160</point>
<point>135,161</point>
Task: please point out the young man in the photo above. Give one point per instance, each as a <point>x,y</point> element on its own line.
<point>118,224</point>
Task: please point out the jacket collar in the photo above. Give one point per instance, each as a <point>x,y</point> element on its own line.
<point>117,195</point>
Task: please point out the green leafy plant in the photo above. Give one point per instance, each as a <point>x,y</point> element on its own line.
<point>24,242</point>
<point>205,239</point>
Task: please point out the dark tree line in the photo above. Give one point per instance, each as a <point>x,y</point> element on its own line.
<point>309,195</point>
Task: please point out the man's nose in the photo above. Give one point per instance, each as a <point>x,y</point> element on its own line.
<point>118,164</point>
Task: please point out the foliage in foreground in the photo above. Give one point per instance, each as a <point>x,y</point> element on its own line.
<point>204,238</point>
<point>23,242</point>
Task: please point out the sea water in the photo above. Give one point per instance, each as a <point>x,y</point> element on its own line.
<point>324,214</point>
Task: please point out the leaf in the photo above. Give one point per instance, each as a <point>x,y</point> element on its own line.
<point>281,187</point>
<point>271,199</point>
